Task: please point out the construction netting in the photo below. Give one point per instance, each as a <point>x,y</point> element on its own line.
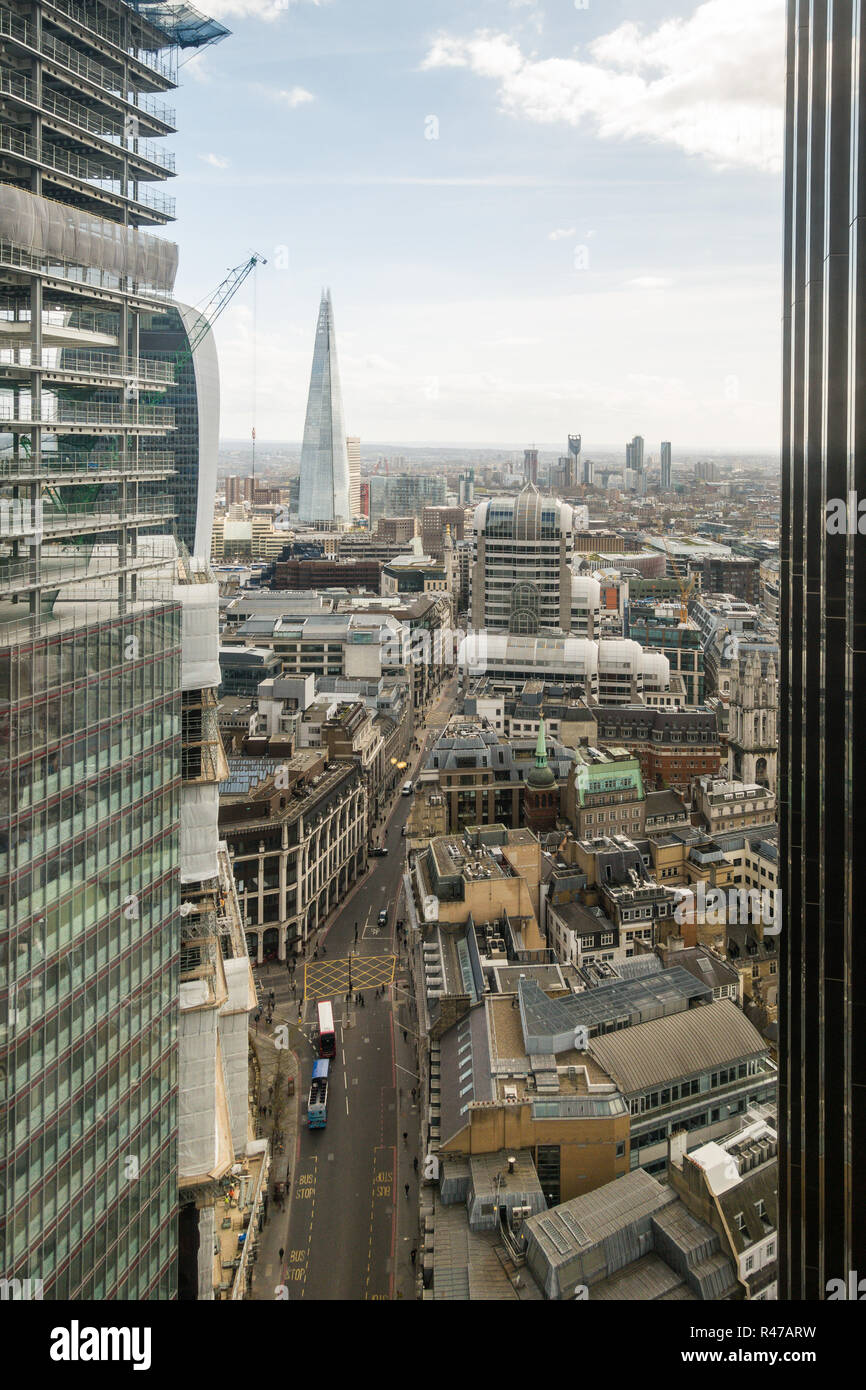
<point>201,640</point>
<point>46,228</point>
<point>199,834</point>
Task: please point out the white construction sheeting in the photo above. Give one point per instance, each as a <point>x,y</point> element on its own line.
<point>47,228</point>
<point>199,1058</point>
<point>201,641</point>
<point>199,833</point>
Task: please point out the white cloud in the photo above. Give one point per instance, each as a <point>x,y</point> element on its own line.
<point>561,233</point>
<point>255,9</point>
<point>296,96</point>
<point>216,161</point>
<point>648,282</point>
<point>711,85</point>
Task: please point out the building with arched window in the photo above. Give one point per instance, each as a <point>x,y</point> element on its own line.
<point>521,576</point>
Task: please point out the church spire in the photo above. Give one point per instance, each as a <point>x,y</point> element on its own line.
<point>541,746</point>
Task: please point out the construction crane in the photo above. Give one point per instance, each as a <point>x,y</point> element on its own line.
<point>207,317</point>
<point>218,301</point>
<point>685,589</point>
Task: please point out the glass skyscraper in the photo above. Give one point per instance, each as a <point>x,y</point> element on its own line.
<point>324,483</point>
<point>666,466</point>
<point>90,652</point>
<point>822,777</point>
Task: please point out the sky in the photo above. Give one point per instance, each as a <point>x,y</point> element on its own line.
<point>536,217</point>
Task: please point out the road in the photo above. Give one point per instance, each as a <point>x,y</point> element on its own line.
<point>351,1225</point>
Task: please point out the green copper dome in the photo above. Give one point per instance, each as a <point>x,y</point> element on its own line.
<point>541,777</point>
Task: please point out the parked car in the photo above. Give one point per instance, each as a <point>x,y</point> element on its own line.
<point>407,788</point>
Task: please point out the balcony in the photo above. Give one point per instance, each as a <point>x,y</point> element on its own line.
<point>85,467</point>
<point>109,79</point>
<point>71,362</point>
<point>108,37</point>
<point>85,518</point>
<point>57,568</point>
<point>86,277</point>
<point>100,178</point>
<point>86,417</point>
<point>85,118</point>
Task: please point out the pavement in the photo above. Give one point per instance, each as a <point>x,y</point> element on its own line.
<point>350,1223</point>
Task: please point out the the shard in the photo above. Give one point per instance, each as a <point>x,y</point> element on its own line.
<point>324,491</point>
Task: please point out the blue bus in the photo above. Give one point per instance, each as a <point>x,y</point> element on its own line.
<point>317,1105</point>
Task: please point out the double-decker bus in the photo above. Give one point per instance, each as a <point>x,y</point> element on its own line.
<point>327,1036</point>
<point>317,1105</point>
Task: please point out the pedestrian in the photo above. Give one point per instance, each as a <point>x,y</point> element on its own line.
<point>299,1012</point>
<point>282,1253</point>
<point>413,1253</point>
<point>405,1136</point>
<point>413,1095</point>
<point>362,1001</point>
<point>405,1036</point>
<point>407,1192</point>
<point>415,1164</point>
<point>316,954</point>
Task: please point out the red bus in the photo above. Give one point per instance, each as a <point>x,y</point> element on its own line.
<point>327,1036</point>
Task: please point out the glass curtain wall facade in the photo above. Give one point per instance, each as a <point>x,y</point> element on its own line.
<point>822,777</point>
<point>90,657</point>
<point>324,481</point>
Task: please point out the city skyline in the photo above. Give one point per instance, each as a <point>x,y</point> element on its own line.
<point>549,749</point>
<point>505,266</point>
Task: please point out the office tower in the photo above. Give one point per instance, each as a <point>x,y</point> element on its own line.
<point>324,494</point>
<point>193,396</point>
<point>582,467</point>
<point>822,746</point>
<point>353,453</point>
<point>634,454</point>
<point>666,466</point>
<point>405,494</point>
<point>521,564</point>
<point>530,466</point>
<point>90,655</point>
<point>466,488</point>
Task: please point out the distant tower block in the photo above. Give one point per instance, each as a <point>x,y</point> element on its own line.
<point>353,451</point>
<point>324,484</point>
<point>574,442</point>
<point>666,466</point>
<point>530,466</point>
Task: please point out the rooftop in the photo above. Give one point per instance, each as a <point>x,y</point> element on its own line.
<point>549,1024</point>
<point>679,1046</point>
